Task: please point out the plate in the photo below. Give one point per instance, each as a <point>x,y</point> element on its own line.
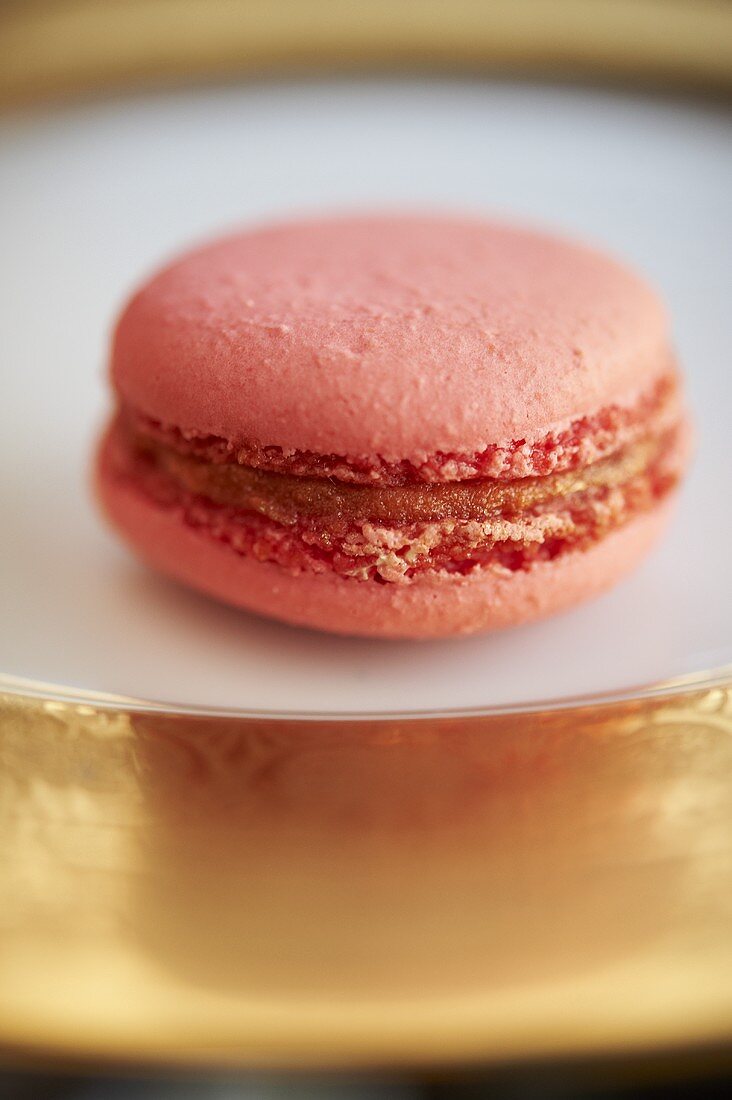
<point>321,851</point>
<point>97,195</point>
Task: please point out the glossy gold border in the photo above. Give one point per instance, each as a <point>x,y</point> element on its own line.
<point>232,890</point>
<point>247,889</point>
<point>52,47</point>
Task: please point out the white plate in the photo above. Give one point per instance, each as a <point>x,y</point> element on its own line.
<point>93,196</point>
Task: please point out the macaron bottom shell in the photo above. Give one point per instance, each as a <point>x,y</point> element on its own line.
<point>433,606</point>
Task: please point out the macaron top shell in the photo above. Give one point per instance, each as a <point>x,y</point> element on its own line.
<point>387,335</point>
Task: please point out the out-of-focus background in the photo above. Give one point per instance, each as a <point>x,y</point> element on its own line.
<point>665,1079</point>
<point>560,64</point>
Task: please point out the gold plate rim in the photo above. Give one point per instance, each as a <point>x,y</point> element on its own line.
<point>22,688</point>
<point>66,48</point>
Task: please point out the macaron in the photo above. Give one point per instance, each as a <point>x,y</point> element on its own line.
<point>396,426</point>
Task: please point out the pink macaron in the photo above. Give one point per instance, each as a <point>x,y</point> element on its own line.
<point>394,426</point>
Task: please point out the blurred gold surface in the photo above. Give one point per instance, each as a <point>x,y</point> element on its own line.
<point>258,891</point>
<point>60,46</point>
<point>266,891</point>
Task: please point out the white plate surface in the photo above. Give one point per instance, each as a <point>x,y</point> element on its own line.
<point>93,196</point>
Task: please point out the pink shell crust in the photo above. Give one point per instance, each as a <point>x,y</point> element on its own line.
<point>580,442</point>
<point>396,337</point>
<point>435,605</point>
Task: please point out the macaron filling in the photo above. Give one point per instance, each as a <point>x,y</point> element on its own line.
<point>391,523</point>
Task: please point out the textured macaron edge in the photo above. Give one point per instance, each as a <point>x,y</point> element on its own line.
<point>379,538</point>
<point>434,606</point>
<point>577,442</point>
